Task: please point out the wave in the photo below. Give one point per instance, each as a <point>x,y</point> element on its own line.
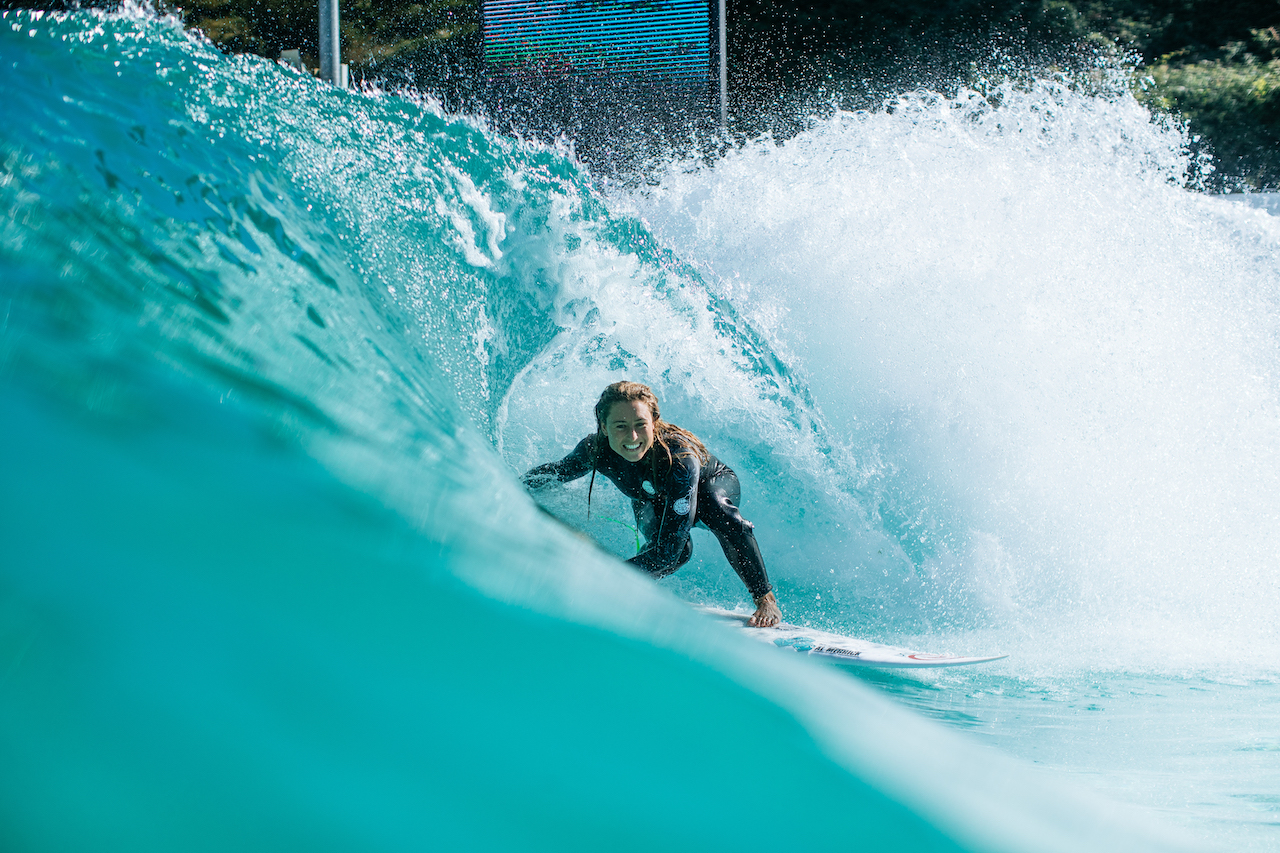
<point>270,358</point>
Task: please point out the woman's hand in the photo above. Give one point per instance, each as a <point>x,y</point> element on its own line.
<point>767,613</point>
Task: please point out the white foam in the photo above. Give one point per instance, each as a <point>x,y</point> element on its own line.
<point>1064,359</point>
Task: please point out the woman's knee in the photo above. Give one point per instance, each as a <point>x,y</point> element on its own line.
<point>726,519</point>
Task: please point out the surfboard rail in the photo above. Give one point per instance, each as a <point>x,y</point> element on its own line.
<point>849,651</point>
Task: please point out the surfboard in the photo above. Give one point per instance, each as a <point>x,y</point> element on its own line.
<point>841,649</point>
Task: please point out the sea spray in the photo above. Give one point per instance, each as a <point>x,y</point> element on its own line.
<point>1061,362</point>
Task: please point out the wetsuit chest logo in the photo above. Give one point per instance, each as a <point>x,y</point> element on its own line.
<point>648,487</point>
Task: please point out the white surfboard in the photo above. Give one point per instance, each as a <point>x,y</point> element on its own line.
<point>841,649</point>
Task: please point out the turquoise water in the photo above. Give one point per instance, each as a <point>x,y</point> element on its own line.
<point>271,357</point>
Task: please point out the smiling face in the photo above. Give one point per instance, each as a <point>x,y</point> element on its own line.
<point>629,426</point>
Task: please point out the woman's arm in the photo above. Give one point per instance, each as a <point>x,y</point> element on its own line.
<point>573,466</point>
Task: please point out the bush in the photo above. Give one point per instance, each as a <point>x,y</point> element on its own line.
<point>1233,102</point>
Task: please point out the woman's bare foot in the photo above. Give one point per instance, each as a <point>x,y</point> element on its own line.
<point>767,613</point>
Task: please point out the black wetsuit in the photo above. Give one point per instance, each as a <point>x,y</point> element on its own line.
<point>668,499</point>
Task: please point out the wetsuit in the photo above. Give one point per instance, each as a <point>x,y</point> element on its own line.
<point>668,499</point>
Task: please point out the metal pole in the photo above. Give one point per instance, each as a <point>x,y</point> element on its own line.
<point>330,53</point>
<point>724,70</point>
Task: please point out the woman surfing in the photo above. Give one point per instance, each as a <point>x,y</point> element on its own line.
<point>673,484</point>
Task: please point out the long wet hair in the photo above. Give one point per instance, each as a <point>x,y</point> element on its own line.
<point>630,392</point>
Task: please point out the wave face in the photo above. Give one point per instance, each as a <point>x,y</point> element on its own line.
<point>272,353</point>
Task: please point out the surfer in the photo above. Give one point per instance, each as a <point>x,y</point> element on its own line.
<point>673,483</point>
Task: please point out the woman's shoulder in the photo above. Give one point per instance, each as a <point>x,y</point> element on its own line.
<point>683,443</point>
<point>685,458</point>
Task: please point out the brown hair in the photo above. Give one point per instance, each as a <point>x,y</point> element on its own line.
<point>630,392</point>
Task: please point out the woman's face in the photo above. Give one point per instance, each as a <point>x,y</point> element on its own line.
<point>629,426</point>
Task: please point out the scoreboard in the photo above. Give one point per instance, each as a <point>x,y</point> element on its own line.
<point>655,39</point>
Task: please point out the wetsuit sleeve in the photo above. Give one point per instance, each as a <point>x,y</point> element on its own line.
<point>679,507</point>
<point>573,466</point>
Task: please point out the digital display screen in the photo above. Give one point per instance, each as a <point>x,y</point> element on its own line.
<point>669,38</point>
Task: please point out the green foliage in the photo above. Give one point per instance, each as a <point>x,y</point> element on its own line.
<point>373,32</point>
<point>1233,103</point>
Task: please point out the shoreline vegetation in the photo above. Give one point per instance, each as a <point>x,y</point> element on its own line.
<point>1214,65</point>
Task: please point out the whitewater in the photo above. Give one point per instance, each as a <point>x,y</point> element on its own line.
<point>273,356</point>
